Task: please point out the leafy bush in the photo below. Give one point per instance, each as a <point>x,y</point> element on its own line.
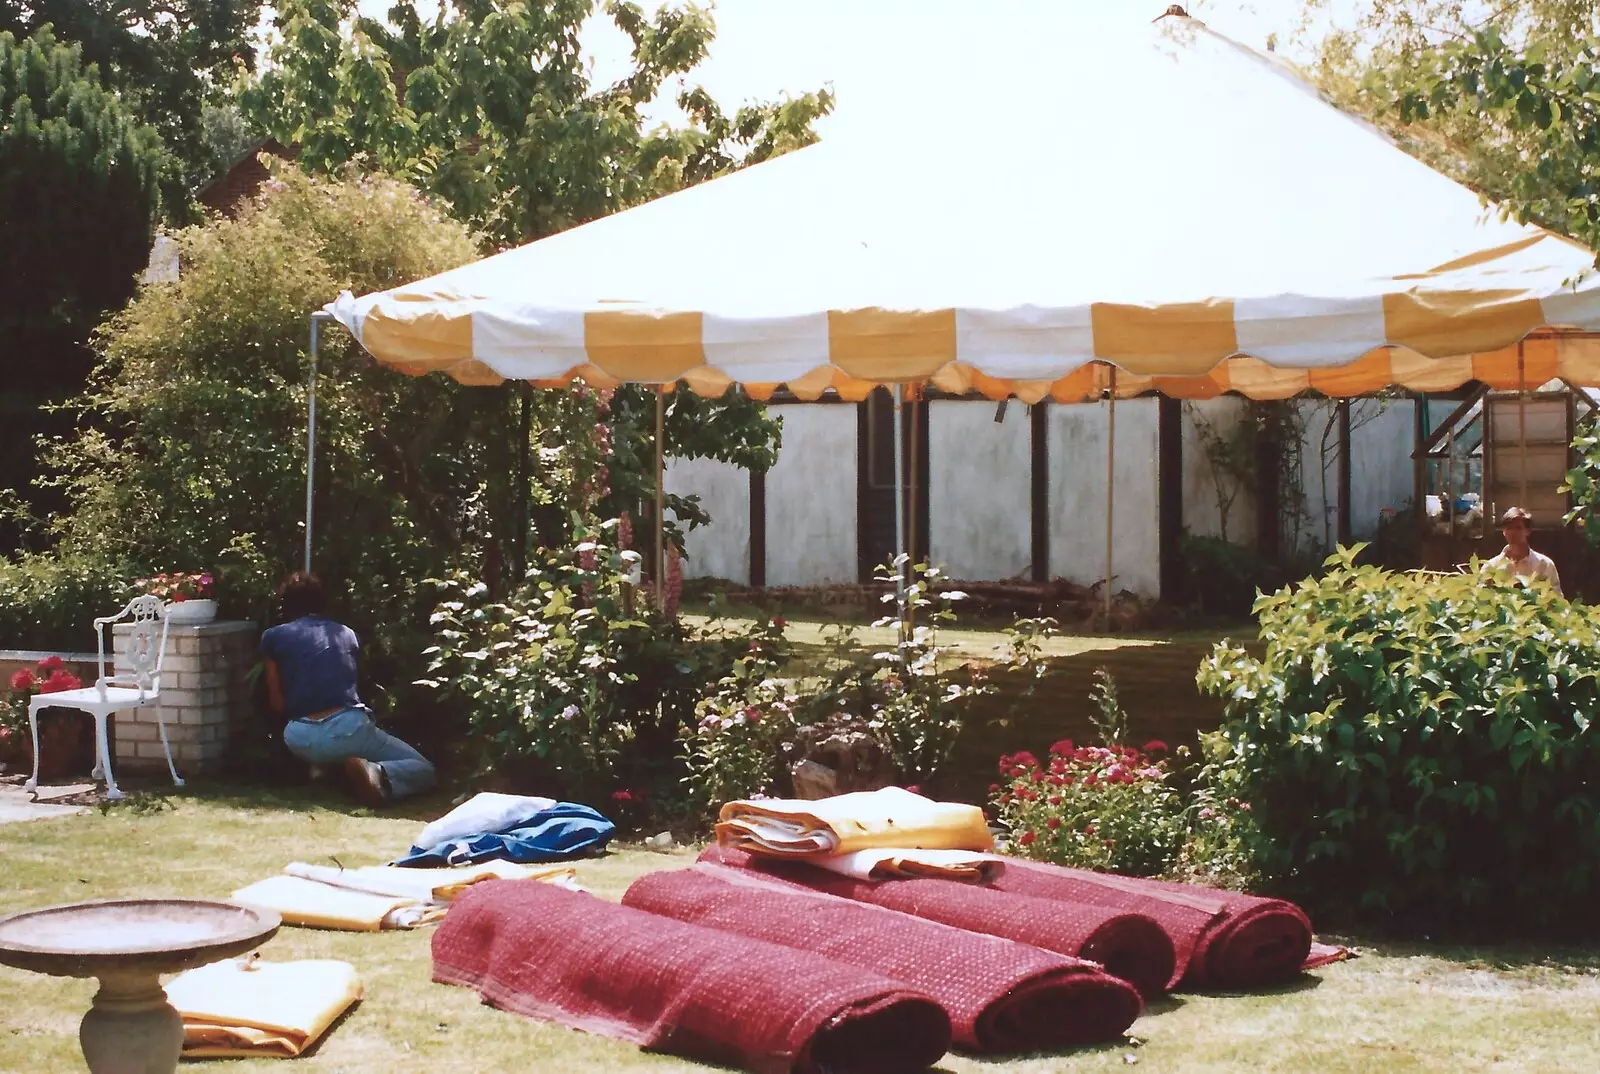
<point>1107,807</point>
<point>1220,578</point>
<point>572,683</point>
<point>1583,480</point>
<point>1416,747</point>
<point>50,602</point>
<point>917,694</point>
<point>1092,807</point>
<point>738,744</point>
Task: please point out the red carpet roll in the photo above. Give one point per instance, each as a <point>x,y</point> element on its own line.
<point>550,953</point>
<point>1002,997</point>
<point>1225,941</point>
<point>1130,946</point>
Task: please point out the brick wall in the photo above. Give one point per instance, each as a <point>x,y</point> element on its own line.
<point>205,695</point>
<point>80,664</point>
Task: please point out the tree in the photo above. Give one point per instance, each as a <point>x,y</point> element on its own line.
<point>80,194</point>
<point>167,59</point>
<point>490,108</point>
<point>192,455</point>
<point>1498,99</point>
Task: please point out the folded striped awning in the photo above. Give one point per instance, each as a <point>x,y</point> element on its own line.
<point>1153,198</point>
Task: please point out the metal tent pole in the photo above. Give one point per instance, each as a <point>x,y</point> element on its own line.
<point>899,512</point>
<point>1522,427</point>
<point>311,430</point>
<point>661,498</point>
<point>911,498</point>
<point>1111,485</point>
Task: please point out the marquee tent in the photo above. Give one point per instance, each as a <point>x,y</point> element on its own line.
<point>1148,206</point>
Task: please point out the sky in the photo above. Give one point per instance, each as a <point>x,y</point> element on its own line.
<point>767,48</point>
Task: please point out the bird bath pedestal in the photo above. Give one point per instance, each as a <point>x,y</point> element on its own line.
<point>128,944</point>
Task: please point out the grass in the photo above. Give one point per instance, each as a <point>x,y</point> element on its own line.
<point>1397,1008</point>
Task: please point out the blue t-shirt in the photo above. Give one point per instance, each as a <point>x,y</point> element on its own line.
<point>316,660</point>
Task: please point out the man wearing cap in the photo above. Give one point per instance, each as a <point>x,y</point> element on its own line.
<point>1518,558</point>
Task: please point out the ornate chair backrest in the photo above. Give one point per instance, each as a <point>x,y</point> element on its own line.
<point>147,643</point>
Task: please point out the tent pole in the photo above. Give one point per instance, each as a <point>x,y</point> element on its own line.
<point>661,499</point>
<point>311,432</point>
<point>1522,426</point>
<point>911,499</point>
<point>899,513</point>
<point>1111,485</point>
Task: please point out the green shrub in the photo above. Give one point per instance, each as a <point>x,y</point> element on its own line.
<point>51,602</point>
<point>572,683</point>
<point>1416,747</point>
<point>1093,807</point>
<point>1220,578</point>
<point>736,748</point>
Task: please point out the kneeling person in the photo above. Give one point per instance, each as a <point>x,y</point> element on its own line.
<point>311,678</point>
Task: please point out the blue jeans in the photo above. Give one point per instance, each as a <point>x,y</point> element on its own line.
<point>351,733</point>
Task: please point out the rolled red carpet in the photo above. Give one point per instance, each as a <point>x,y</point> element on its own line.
<point>1225,941</point>
<point>1002,997</point>
<point>1130,945</point>
<point>571,958</point>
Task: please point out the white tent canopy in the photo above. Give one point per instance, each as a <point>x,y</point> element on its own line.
<point>1150,196</point>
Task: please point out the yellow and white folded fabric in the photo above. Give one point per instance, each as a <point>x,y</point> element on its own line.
<point>887,819</point>
<point>378,897</point>
<point>962,865</point>
<point>316,905</point>
<point>251,1009</point>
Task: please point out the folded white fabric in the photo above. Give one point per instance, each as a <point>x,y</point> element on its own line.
<point>889,864</point>
<point>486,811</point>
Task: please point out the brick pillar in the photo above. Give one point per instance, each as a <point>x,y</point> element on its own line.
<point>205,695</point>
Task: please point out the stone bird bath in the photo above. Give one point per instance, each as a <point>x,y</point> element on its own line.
<point>128,944</point>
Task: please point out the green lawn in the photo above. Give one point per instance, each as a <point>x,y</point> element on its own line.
<point>1394,1009</point>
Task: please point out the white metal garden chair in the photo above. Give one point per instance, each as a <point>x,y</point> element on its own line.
<point>109,694</point>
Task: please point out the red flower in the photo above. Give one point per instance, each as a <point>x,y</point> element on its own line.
<point>779,622</point>
<point>23,680</point>
<point>994,789</point>
<point>1155,745</point>
<point>1025,839</point>
<point>1063,748</point>
<point>622,796</point>
<point>914,789</point>
<point>50,663</point>
<point>1055,799</point>
<point>1053,823</point>
<point>1026,758</point>
<point>58,681</point>
<point>178,598</point>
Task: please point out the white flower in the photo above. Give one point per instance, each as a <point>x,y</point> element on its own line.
<point>570,712</point>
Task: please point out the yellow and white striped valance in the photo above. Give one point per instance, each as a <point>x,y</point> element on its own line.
<point>1220,229</point>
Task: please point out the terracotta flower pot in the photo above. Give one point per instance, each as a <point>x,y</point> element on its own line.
<point>66,747</point>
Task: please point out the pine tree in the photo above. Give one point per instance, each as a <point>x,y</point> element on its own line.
<point>80,194</point>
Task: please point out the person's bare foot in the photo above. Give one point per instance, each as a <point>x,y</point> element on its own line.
<point>366,781</point>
